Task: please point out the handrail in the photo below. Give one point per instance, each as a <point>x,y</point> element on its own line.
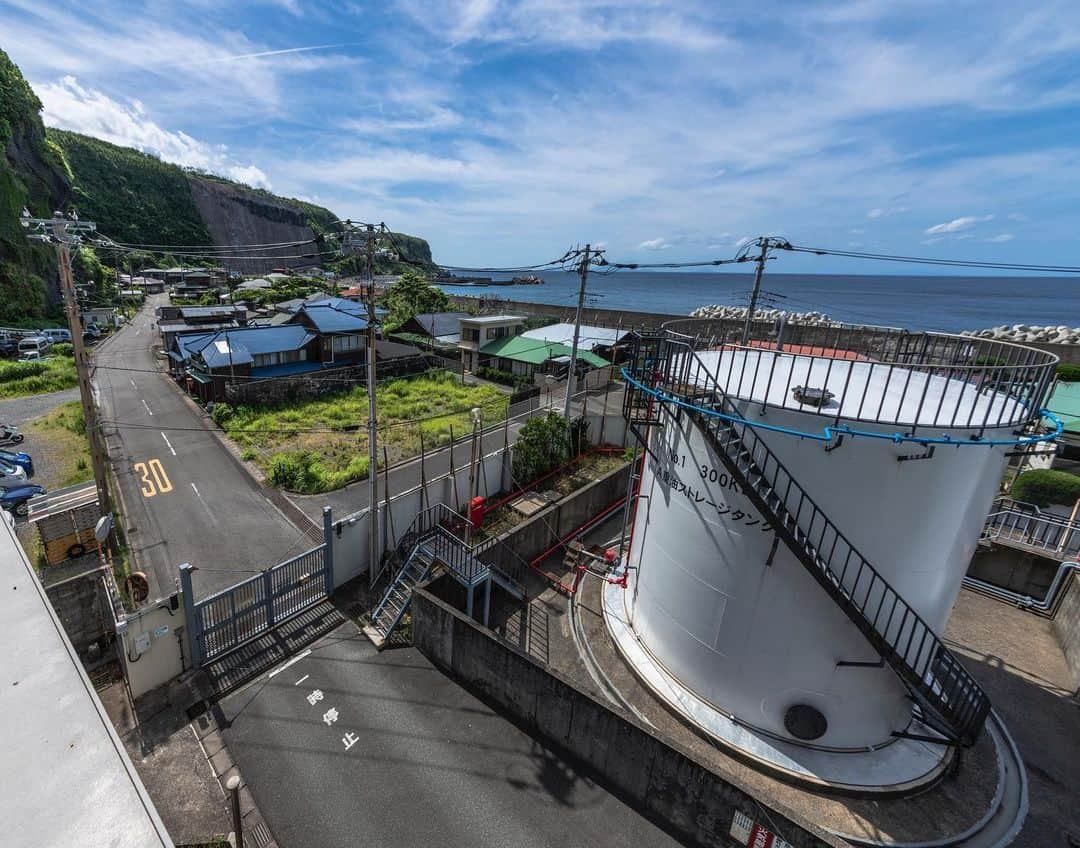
<point>1052,534</point>
<point>1016,378</point>
<point>957,705</point>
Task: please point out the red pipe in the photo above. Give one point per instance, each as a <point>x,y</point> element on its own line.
<point>551,578</point>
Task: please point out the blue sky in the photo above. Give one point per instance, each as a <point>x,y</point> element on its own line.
<point>504,132</point>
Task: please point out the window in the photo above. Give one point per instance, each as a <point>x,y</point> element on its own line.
<point>469,334</point>
<point>496,332</point>
<point>264,360</point>
<point>343,344</point>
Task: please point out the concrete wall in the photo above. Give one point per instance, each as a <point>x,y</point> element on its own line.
<point>658,779</point>
<point>537,534</point>
<point>1066,626</point>
<point>164,657</point>
<point>350,536</point>
<point>83,606</point>
<point>1014,570</point>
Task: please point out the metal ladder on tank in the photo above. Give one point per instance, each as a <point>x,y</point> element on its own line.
<point>949,699</point>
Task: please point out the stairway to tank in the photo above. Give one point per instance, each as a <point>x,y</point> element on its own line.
<point>949,699</point>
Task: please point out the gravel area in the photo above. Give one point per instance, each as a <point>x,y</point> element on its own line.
<point>19,410</point>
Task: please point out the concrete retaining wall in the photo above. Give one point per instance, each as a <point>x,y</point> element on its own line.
<point>1066,626</point>
<point>1017,571</point>
<point>662,781</point>
<point>83,605</point>
<point>535,535</point>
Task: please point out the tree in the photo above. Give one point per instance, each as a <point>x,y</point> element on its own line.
<point>542,445</point>
<point>412,295</point>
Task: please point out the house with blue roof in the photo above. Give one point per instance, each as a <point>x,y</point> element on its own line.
<point>342,330</point>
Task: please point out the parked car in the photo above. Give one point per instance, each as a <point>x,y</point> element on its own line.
<point>35,344</point>
<point>92,330</point>
<point>11,475</point>
<point>56,335</point>
<point>23,460</point>
<point>17,500</point>
<point>9,347</point>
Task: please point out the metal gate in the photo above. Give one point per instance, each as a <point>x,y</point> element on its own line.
<point>234,616</point>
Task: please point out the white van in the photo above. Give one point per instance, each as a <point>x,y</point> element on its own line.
<point>57,335</point>
<point>37,346</point>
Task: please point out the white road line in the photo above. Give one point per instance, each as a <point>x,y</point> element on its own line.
<point>196,492</point>
<point>149,411</point>
<point>132,383</point>
<point>171,449</point>
<point>293,661</point>
<point>301,680</point>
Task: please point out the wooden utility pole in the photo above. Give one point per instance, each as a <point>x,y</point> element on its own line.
<point>64,233</point>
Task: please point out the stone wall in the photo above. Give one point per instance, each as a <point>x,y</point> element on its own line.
<point>655,777</point>
<point>318,383</point>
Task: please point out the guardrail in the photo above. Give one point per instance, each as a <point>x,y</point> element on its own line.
<point>1056,537</point>
<point>876,374</point>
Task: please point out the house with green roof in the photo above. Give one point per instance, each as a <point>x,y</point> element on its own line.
<point>524,356</point>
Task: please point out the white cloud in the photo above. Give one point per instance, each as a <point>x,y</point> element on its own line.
<point>999,238</point>
<point>957,225</point>
<point>655,244</point>
<point>71,106</point>
<point>883,212</point>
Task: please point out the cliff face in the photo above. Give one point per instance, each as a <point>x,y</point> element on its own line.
<point>236,214</point>
<point>33,175</point>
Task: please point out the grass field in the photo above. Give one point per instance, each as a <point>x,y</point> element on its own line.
<point>61,434</point>
<point>34,378</point>
<point>305,447</point>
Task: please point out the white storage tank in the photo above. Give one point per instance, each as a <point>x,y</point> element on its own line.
<point>724,605</point>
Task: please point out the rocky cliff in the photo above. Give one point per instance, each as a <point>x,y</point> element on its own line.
<point>236,214</point>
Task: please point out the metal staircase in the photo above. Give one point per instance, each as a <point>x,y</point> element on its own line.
<point>431,540</point>
<point>395,602</point>
<point>948,698</point>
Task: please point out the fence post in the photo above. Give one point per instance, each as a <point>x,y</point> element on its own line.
<point>194,632</point>
<point>328,549</point>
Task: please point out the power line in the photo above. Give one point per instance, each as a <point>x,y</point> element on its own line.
<point>924,260</point>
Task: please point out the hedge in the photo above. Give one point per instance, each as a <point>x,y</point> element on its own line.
<point>1068,373</point>
<point>1043,487</point>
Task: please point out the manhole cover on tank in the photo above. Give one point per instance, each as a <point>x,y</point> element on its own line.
<point>805,722</point>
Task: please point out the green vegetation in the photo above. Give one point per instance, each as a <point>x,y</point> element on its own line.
<point>320,445</point>
<point>542,445</point>
<point>61,434</point>
<point>37,181</point>
<point>412,295</point>
<point>1043,487</point>
<point>507,378</point>
<point>132,196</point>
<point>34,378</point>
<point>1068,373</point>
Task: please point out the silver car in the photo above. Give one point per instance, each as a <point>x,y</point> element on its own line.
<point>11,475</point>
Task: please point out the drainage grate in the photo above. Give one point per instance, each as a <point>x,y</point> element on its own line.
<point>261,835</point>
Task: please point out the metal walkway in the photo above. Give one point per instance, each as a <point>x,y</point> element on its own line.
<point>949,698</point>
<point>431,540</point>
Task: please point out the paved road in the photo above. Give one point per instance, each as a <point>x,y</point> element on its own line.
<point>406,475</point>
<point>430,765</point>
<point>186,499</point>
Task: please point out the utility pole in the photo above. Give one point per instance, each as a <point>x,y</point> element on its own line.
<point>66,233</point>
<point>583,271</point>
<point>765,243</point>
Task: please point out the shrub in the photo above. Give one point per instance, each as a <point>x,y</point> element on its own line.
<point>249,454</point>
<point>542,445</point>
<point>63,349</point>
<point>222,413</point>
<point>1068,373</point>
<point>21,370</point>
<point>1043,487</point>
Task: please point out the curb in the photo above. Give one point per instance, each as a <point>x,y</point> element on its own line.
<point>256,830</point>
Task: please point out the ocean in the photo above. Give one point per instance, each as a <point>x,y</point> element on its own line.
<point>948,303</point>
